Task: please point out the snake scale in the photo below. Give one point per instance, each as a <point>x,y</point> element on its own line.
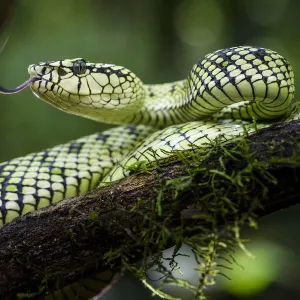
<point>223,92</point>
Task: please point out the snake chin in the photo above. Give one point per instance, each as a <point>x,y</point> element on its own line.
<point>51,99</point>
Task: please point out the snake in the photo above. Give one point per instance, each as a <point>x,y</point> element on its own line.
<point>224,92</point>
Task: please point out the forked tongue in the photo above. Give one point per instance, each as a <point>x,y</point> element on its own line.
<point>18,88</point>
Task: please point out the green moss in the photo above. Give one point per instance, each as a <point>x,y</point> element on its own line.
<point>94,215</point>
<point>27,295</point>
<point>139,166</point>
<point>218,219</point>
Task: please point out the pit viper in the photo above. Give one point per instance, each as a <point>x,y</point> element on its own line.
<point>224,92</point>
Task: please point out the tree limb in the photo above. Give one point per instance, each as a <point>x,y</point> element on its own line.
<point>65,239</point>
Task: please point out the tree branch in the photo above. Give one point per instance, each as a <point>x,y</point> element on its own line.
<point>58,243</point>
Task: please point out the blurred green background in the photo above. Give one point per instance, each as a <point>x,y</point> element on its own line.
<point>159,41</point>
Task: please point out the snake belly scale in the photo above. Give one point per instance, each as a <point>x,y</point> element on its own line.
<point>225,87</point>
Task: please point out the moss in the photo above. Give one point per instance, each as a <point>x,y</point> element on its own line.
<point>27,295</point>
<point>228,199</point>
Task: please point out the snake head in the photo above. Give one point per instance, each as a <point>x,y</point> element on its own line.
<point>93,90</point>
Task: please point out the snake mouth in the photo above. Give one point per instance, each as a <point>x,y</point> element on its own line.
<point>39,82</point>
<point>53,101</point>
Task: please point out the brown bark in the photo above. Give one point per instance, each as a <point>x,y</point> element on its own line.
<point>61,241</point>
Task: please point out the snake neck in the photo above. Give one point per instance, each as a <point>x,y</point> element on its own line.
<point>164,104</point>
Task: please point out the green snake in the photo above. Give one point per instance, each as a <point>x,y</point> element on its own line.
<point>222,94</point>
<point>222,88</point>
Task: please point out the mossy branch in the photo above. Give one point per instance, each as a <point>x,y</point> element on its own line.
<point>189,199</point>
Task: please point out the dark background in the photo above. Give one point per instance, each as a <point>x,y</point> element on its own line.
<point>159,41</point>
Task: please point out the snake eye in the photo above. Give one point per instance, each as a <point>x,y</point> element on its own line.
<point>79,67</point>
<point>61,72</point>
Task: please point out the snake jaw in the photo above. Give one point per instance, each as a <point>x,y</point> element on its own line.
<point>56,102</point>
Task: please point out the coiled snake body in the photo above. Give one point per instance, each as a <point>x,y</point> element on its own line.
<point>226,86</point>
